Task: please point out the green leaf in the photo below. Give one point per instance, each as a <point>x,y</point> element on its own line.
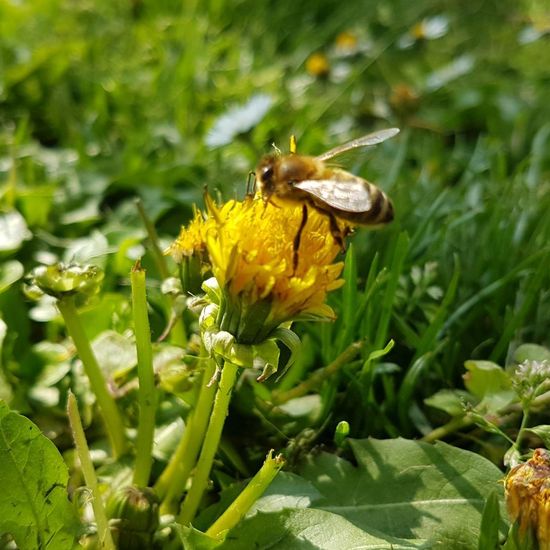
<point>531,352</point>
<point>402,494</point>
<point>409,489</point>
<point>308,529</point>
<point>34,507</point>
<point>399,254</point>
<point>490,523</point>
<point>10,272</point>
<point>450,401</point>
<point>490,383</point>
<point>349,300</point>
<point>485,377</point>
<point>542,431</point>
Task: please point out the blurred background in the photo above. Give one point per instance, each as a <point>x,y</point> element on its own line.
<point>104,101</point>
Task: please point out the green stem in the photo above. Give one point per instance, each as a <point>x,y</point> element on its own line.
<point>319,376</point>
<point>147,396</point>
<point>524,424</point>
<point>178,334</point>
<point>107,405</point>
<point>451,427</point>
<point>251,493</point>
<point>158,256</point>
<point>210,445</point>
<point>171,484</point>
<point>103,531</point>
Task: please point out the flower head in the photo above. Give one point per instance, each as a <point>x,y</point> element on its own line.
<point>257,289</point>
<point>318,65</point>
<point>528,497</point>
<point>192,239</point>
<point>531,378</point>
<point>189,251</point>
<point>251,249</point>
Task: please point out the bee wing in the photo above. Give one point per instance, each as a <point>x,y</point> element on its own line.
<point>366,141</point>
<point>351,195</point>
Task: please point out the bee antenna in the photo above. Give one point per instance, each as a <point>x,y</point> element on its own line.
<point>277,150</point>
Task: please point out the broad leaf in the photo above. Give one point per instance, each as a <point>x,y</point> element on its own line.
<point>409,489</point>
<point>402,494</point>
<point>490,383</point>
<point>452,402</point>
<point>309,529</point>
<point>34,507</point>
<point>531,352</point>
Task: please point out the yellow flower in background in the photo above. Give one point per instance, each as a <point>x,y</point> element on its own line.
<point>318,65</point>
<point>346,43</point>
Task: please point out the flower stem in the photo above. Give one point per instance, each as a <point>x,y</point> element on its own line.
<point>210,445</point>
<point>103,531</point>
<point>179,336</point>
<point>251,493</point>
<point>447,429</point>
<point>147,392</point>
<point>107,405</point>
<point>171,484</point>
<point>521,431</point>
<point>319,376</point>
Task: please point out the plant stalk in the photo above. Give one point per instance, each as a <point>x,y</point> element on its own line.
<point>147,395</point>
<point>251,493</point>
<point>171,484</point>
<point>103,531</point>
<point>107,405</point>
<point>319,376</point>
<point>211,443</point>
<point>179,336</point>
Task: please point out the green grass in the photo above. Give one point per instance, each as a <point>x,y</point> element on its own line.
<point>103,102</point>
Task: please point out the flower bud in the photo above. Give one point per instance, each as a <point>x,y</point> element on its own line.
<point>134,517</point>
<point>60,280</point>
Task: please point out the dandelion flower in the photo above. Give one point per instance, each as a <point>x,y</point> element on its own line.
<point>528,497</point>
<point>250,249</point>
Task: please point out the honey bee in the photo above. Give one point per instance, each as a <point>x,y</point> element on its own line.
<point>332,191</point>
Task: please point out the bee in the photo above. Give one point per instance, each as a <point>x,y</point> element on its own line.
<point>332,191</point>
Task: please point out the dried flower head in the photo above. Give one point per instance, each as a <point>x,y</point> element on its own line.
<point>528,497</point>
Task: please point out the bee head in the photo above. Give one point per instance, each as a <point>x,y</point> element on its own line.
<point>265,172</point>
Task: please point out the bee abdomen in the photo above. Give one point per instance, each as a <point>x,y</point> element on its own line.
<point>380,212</point>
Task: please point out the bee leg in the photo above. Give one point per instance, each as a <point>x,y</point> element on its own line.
<point>298,238</point>
<point>251,183</point>
<point>337,234</point>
